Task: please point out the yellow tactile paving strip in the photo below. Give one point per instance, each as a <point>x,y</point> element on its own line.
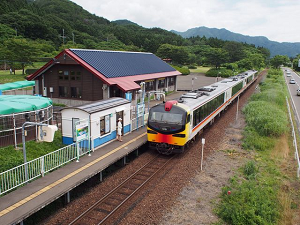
<point>25,200</point>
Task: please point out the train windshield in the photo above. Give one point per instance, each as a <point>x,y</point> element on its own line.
<point>161,117</point>
<point>167,122</point>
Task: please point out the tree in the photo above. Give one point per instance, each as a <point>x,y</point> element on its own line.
<point>279,60</point>
<point>235,51</point>
<point>178,54</point>
<point>19,51</point>
<point>216,57</point>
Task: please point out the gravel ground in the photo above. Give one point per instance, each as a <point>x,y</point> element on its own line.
<point>182,194</point>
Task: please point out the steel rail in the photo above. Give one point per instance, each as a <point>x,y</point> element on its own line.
<point>156,164</point>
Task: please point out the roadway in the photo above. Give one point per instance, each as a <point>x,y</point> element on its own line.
<point>293,89</point>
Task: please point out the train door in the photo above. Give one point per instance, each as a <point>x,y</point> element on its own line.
<point>120,115</point>
<point>74,121</point>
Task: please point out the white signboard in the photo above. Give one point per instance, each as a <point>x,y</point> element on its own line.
<point>299,63</point>
<point>82,130</point>
<point>141,109</point>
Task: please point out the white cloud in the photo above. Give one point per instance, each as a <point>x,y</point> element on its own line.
<point>275,19</point>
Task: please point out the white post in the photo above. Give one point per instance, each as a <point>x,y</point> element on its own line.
<point>42,166</point>
<point>203,143</point>
<point>77,148</point>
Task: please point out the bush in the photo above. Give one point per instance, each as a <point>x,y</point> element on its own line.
<point>249,203</point>
<point>219,72</point>
<point>266,118</point>
<point>253,141</point>
<point>274,96</point>
<point>250,170</point>
<point>30,71</point>
<point>184,70</point>
<point>192,66</point>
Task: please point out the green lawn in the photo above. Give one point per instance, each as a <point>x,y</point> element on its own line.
<point>200,69</point>
<point>6,77</point>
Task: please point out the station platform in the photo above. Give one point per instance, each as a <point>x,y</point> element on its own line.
<point>25,201</point>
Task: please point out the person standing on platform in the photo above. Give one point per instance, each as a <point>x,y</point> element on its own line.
<point>119,129</point>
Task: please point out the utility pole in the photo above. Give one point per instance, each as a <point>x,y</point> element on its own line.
<point>63,36</point>
<point>73,37</point>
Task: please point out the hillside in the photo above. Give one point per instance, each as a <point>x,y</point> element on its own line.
<point>276,48</point>
<point>46,19</point>
<point>45,27</point>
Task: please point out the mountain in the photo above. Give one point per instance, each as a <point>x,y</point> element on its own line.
<point>124,22</point>
<point>276,48</point>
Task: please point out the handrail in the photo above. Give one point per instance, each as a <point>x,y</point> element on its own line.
<point>294,137</point>
<point>33,169</point>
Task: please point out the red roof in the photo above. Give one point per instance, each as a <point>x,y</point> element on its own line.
<point>125,83</point>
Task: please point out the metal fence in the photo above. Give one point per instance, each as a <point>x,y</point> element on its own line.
<point>294,137</point>
<point>11,125</point>
<point>20,175</point>
<point>33,169</point>
<point>138,122</point>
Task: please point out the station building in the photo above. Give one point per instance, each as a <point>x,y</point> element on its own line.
<point>79,76</point>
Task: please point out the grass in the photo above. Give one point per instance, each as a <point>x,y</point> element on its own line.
<point>10,157</point>
<point>262,192</point>
<point>200,69</point>
<point>6,77</point>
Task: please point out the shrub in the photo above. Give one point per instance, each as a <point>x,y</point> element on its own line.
<point>253,141</point>
<point>30,71</point>
<point>249,203</point>
<point>184,70</point>
<point>266,118</point>
<point>250,170</point>
<point>194,66</point>
<point>272,96</point>
<point>219,72</point>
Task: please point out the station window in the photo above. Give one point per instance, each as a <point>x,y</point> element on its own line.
<point>104,124</point>
<point>75,92</point>
<point>78,75</point>
<point>63,91</point>
<point>72,75</point>
<point>60,75</point>
<point>171,81</point>
<point>161,83</point>
<point>66,75</point>
<point>150,86</point>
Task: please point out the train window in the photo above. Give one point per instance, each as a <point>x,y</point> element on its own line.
<point>188,118</point>
<point>207,109</point>
<point>236,88</point>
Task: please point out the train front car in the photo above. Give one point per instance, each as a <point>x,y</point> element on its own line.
<point>168,127</point>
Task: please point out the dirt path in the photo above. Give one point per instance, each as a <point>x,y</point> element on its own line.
<point>194,204</point>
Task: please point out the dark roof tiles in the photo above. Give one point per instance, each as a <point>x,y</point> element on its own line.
<point>114,64</point>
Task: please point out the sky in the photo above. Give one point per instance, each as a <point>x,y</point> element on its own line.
<point>278,20</point>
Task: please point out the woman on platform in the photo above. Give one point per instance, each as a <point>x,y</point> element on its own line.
<point>119,130</point>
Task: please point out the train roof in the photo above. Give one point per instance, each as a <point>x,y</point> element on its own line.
<point>193,99</point>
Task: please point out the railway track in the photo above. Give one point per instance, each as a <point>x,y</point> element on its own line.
<point>105,208</point>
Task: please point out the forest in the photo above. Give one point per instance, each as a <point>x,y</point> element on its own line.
<point>32,31</point>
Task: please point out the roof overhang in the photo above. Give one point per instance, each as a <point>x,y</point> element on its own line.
<point>129,83</point>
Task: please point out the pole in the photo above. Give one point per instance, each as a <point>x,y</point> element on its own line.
<point>203,143</point>
<point>237,109</point>
<point>24,144</point>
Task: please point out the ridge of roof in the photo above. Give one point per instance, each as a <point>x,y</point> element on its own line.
<point>100,50</point>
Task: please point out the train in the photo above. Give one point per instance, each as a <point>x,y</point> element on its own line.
<point>173,124</point>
